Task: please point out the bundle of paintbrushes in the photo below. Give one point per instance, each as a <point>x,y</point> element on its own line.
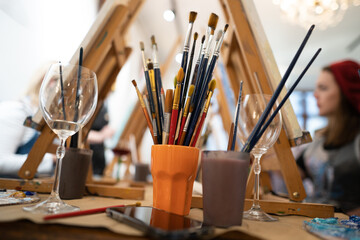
<point>177,117</point>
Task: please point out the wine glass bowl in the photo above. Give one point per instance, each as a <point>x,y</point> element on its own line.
<point>251,109</point>
<point>68,98</point>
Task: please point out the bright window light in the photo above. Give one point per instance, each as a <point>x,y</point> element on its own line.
<point>178,57</point>
<point>169,15</point>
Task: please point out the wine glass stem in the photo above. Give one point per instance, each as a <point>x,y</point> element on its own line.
<point>60,152</point>
<point>257,170</point>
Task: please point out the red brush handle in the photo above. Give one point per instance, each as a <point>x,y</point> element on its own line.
<point>183,120</point>
<point>79,213</point>
<point>174,116</point>
<point>199,129</point>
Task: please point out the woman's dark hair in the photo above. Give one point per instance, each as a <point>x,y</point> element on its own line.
<point>343,127</point>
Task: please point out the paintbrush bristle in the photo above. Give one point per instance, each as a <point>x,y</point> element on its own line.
<point>191,90</point>
<point>212,85</point>
<point>203,39</point>
<point>142,46</point>
<point>219,34</point>
<point>226,27</point>
<point>213,19</point>
<point>212,31</point>
<point>180,75</point>
<point>192,16</point>
<point>134,83</point>
<point>196,36</point>
<point>150,66</point>
<point>168,100</point>
<point>153,42</point>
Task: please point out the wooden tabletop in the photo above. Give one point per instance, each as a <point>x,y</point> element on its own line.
<point>18,224</point>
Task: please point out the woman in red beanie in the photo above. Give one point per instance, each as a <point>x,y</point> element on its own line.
<point>332,160</point>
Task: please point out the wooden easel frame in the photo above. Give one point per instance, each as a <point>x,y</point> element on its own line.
<point>105,52</point>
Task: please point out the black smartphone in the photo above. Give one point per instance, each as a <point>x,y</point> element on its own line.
<point>160,224</point>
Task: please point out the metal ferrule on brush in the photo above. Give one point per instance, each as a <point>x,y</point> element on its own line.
<point>144,61</point>
<point>219,43</point>
<point>187,38</point>
<point>176,97</point>
<point>206,43</point>
<point>155,56</point>
<point>211,37</point>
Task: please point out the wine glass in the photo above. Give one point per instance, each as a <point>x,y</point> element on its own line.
<point>251,109</point>
<point>68,98</point>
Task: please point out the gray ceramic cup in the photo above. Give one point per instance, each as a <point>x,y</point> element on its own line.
<point>224,177</point>
<point>142,172</point>
<point>74,171</point>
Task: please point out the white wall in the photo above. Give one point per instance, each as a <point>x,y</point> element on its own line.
<point>34,32</point>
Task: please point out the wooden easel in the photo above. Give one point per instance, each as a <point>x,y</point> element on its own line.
<point>105,52</point>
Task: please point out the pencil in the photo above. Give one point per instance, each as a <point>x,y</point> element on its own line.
<point>85,212</point>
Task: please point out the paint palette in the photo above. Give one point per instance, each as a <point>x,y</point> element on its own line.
<point>334,228</point>
<point>12,197</point>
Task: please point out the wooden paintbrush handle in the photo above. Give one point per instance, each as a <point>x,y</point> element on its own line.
<point>173,122</point>
<point>198,130</point>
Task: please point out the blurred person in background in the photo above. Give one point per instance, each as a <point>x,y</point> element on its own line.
<point>332,161</point>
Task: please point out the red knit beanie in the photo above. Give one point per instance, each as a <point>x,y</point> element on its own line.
<point>347,76</point>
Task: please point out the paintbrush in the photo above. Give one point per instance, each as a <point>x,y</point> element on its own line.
<point>162,96</point>
<point>186,83</point>
<point>196,68</point>
<point>148,86</point>
<point>62,90</point>
<point>209,73</point>
<point>167,115</point>
<point>148,121</point>
<point>85,212</point>
<point>188,73</point>
<point>236,118</point>
<point>75,137</point>
<point>231,132</point>
<point>185,113</point>
<point>184,60</point>
<point>158,81</point>
<point>252,144</point>
<point>175,107</point>
<point>155,99</point>
<point>146,102</point>
<point>255,132</point>
<point>212,86</point>
<point>153,121</point>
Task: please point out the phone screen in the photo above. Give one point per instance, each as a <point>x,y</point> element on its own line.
<point>159,223</point>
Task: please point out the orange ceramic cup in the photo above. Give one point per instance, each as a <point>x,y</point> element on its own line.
<point>173,169</point>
